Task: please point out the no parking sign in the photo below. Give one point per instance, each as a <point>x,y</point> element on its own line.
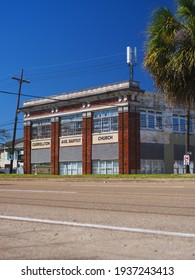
<point>186,159</point>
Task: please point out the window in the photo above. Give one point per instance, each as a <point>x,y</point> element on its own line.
<point>179,167</point>
<point>179,124</point>
<point>41,129</point>
<point>71,125</point>
<point>151,120</point>
<point>105,121</point>
<point>71,168</point>
<point>182,124</point>
<point>105,167</point>
<point>175,123</point>
<point>152,166</point>
<point>159,124</point>
<point>143,120</point>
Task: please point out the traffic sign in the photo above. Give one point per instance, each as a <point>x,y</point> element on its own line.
<point>186,159</point>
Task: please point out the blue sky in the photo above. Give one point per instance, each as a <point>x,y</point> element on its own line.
<point>67,45</point>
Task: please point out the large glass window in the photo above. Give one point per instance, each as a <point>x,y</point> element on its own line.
<point>71,125</point>
<point>105,121</point>
<point>179,124</point>
<point>71,168</point>
<point>151,120</point>
<point>41,129</point>
<point>105,167</point>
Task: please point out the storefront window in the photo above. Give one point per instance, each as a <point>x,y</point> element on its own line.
<point>105,167</point>
<point>71,168</point>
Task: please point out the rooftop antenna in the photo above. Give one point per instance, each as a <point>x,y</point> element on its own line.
<point>131,61</point>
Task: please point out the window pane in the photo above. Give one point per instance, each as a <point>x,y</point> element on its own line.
<point>143,120</point>
<point>114,123</point>
<point>97,126</point>
<point>182,125</point>
<point>151,121</point>
<point>159,122</point>
<point>105,124</point>
<point>175,124</point>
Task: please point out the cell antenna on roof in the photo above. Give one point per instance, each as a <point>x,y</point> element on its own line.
<point>131,61</point>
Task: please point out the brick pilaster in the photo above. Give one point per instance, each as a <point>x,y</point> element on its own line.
<point>129,141</point>
<point>27,147</point>
<point>134,141</point>
<point>55,133</point>
<point>121,142</point>
<point>87,143</point>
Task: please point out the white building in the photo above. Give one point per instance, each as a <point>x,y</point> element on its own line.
<point>5,154</point>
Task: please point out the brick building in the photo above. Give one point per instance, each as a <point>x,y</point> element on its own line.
<point>112,129</point>
<point>83,132</point>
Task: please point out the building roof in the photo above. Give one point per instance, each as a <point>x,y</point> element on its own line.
<point>74,97</point>
<point>18,143</point>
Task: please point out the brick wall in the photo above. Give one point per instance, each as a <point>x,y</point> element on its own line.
<point>87,144</point>
<point>55,133</point>
<point>129,141</point>
<point>27,148</point>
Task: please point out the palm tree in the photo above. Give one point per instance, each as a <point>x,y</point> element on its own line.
<point>170,55</point>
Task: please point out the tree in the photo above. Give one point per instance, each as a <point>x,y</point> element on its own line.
<point>170,55</point>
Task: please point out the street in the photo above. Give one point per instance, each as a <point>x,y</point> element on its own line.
<point>67,219</point>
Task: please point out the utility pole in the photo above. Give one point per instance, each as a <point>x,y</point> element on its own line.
<point>20,80</point>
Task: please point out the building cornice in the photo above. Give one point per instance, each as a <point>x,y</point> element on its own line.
<point>72,98</point>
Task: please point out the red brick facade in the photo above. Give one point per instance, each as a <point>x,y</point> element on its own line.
<point>55,133</point>
<point>27,148</point>
<point>119,95</point>
<point>87,145</point>
<point>129,141</point>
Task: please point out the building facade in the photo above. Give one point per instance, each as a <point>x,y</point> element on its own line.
<point>89,131</point>
<point>5,154</point>
<point>163,137</point>
<point>113,129</point>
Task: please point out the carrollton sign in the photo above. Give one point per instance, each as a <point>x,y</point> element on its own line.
<point>41,144</point>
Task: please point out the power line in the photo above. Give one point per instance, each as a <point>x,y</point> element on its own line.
<point>77,61</point>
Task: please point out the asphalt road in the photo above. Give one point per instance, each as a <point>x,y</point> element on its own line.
<point>61,219</point>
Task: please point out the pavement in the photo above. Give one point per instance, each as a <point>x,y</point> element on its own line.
<point>97,219</point>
